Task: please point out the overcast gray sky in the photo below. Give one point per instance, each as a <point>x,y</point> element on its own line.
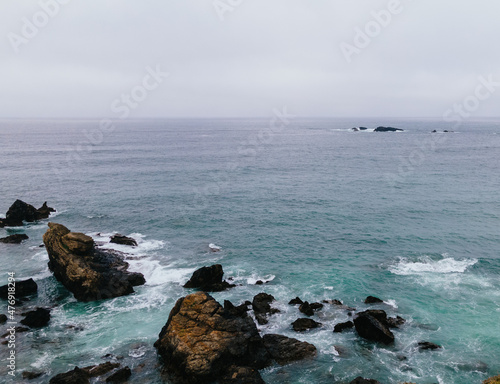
<point>246,57</point>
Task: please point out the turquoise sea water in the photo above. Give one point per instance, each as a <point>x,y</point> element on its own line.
<point>321,211</point>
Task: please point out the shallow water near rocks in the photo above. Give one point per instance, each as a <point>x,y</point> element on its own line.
<point>317,210</point>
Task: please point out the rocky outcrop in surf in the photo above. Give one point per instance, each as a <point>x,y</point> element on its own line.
<point>21,211</point>
<point>14,239</point>
<point>87,271</point>
<point>261,305</point>
<point>372,325</point>
<point>23,288</point>
<point>202,341</point>
<point>208,279</point>
<point>124,240</point>
<point>388,129</point>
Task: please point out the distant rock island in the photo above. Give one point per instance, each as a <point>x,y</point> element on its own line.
<point>378,129</point>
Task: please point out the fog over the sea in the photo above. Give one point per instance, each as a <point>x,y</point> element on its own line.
<point>95,58</point>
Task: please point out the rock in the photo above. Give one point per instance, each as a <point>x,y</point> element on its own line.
<point>201,340</point>
<point>208,279</point>
<point>240,311</point>
<point>241,375</point>
<point>87,271</point>
<point>17,329</point>
<point>343,326</point>
<point>14,239</point>
<point>259,282</point>
<point>28,375</point>
<point>285,349</point>
<point>23,288</point>
<point>304,324</point>
<point>363,128</point>
<point>426,345</point>
<point>295,301</point>
<point>214,248</point>
<point>355,129</point>
<point>76,376</point>
<point>387,129</point>
<point>395,322</point>
<point>332,302</point>
<point>21,211</point>
<point>306,309</point>
<point>261,307</point>
<point>372,325</point>
<point>434,131</point>
<point>373,300</point>
<point>3,319</point>
<point>38,318</point>
<point>360,380</point>
<point>492,380</point>
<point>120,376</point>
<point>124,240</point>
<point>78,243</point>
<point>101,369</point>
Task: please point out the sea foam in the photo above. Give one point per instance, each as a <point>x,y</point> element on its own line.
<point>427,265</point>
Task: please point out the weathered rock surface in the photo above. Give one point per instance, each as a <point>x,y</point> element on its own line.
<point>208,279</point>
<point>23,288</point>
<point>76,376</point>
<point>124,240</point>
<point>372,325</point>
<point>21,211</point>
<point>286,350</point>
<point>38,318</point>
<point>301,325</point>
<point>101,369</point>
<point>120,376</point>
<point>262,308</point>
<point>203,341</point>
<point>373,300</point>
<point>340,327</point>
<point>14,239</point>
<point>360,380</point>
<point>395,322</point>
<point>88,272</point>
<point>308,309</point>
<point>387,129</point>
<point>492,380</point>
<point>296,301</point>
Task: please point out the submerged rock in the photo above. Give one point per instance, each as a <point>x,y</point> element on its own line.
<point>23,288</point>
<point>14,239</point>
<point>21,211</point>
<point>201,340</point>
<point>304,324</point>
<point>360,380</point>
<point>262,308</point>
<point>427,345</point>
<point>88,272</point>
<point>208,279</point>
<point>124,240</point>
<point>285,349</point>
<point>29,375</point>
<point>38,318</point>
<point>395,322</point>
<point>372,325</point>
<point>340,327</point>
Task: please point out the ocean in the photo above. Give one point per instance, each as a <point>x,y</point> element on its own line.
<point>314,208</point>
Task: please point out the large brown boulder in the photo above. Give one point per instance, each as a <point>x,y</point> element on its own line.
<point>203,341</point>
<point>87,271</point>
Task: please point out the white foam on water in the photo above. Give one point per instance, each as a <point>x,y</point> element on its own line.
<point>427,265</point>
<point>255,277</point>
<point>392,303</point>
<point>214,248</point>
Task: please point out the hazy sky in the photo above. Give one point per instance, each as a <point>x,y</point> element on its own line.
<point>246,57</point>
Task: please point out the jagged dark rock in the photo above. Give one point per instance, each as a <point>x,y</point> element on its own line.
<point>373,300</point>
<point>262,308</point>
<point>332,302</point>
<point>76,376</point>
<point>285,349</point>
<point>14,239</point>
<point>101,369</point>
<point>21,211</point>
<point>395,322</point>
<point>120,376</point>
<point>304,324</point>
<point>296,301</point>
<point>23,288</point>
<point>29,375</point>
<point>38,318</point>
<point>372,325</point>
<point>360,380</point>
<point>308,309</point>
<point>208,279</point>
<point>240,311</point>
<point>387,129</point>
<point>427,345</point>
<point>87,271</point>
<point>124,240</point>
<point>340,327</point>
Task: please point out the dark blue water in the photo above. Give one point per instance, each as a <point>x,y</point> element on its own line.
<point>324,212</point>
